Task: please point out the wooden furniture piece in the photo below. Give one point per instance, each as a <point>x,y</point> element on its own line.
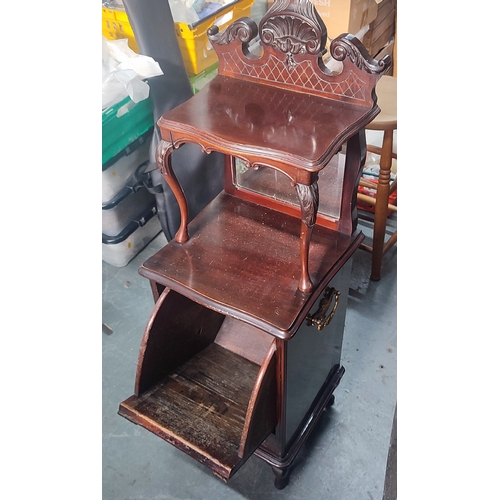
<point>242,351</point>
<point>387,122</point>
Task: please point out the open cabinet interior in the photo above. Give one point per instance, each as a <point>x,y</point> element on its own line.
<point>201,379</point>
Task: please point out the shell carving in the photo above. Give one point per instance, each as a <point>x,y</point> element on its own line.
<point>291,35</point>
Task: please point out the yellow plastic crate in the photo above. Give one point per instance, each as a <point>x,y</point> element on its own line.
<point>115,25</point>
<point>196,49</point>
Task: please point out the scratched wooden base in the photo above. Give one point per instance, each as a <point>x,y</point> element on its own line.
<point>201,408</point>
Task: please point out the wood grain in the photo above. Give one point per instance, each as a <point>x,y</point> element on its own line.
<point>201,407</point>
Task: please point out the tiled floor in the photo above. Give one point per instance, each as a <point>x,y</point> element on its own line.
<point>345,458</point>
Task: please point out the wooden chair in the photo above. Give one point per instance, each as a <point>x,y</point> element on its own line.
<point>387,122</point>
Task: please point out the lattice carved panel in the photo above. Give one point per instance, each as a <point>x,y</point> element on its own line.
<point>293,39</point>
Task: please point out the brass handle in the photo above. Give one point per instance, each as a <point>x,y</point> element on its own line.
<point>319,318</point>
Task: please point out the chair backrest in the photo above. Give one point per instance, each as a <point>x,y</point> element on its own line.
<point>292,46</point>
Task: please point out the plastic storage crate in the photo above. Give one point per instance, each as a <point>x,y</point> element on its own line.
<point>117,171</point>
<point>199,81</point>
<point>119,250</point>
<point>196,49</point>
<point>125,207</point>
<point>115,25</point>
<point>123,123</point>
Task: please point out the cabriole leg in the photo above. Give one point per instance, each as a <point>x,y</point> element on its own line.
<point>309,199</point>
<point>164,161</point>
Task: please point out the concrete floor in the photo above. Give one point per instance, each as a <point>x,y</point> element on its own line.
<point>345,458</point>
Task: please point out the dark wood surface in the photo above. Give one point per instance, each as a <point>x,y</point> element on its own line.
<point>201,407</point>
<point>244,339</point>
<point>242,260</point>
<point>177,330</point>
<point>265,125</point>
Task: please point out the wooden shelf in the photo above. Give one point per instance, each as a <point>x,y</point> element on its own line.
<point>217,403</point>
<point>242,260</point>
<point>201,406</point>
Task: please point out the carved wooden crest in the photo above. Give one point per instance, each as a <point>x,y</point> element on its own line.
<point>292,44</point>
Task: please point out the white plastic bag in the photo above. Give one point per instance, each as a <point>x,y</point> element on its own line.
<point>124,72</point>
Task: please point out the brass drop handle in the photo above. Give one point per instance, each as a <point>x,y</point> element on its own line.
<point>319,318</point>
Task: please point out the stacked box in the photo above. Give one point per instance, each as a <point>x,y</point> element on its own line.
<point>119,250</point>
<point>123,123</point>
<point>196,50</point>
<point>129,213</point>
<point>117,172</point>
<point>115,25</point>
<point>199,81</point>
<point>382,28</point>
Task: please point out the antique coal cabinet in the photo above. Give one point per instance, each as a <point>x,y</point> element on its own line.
<point>242,352</point>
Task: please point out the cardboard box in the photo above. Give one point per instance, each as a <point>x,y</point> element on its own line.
<point>382,28</point>
<point>346,16</point>
<point>196,50</point>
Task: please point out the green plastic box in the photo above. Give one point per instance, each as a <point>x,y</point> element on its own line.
<point>200,80</point>
<point>123,123</point>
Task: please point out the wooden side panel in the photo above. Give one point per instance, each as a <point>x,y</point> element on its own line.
<point>261,416</point>
<point>203,407</point>
<point>156,289</point>
<point>200,407</point>
<point>177,330</point>
<point>244,339</point>
<point>355,161</point>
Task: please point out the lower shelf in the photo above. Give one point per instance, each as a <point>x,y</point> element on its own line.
<point>201,406</point>
<point>243,260</point>
<point>217,405</point>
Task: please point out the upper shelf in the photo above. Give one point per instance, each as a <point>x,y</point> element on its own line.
<point>272,124</point>
<point>241,260</point>
<point>282,106</point>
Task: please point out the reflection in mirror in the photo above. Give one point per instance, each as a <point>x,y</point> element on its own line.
<point>274,184</point>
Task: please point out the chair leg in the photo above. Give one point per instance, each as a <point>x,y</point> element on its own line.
<point>382,196</point>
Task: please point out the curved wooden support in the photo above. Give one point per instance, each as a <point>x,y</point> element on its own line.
<point>261,415</point>
<point>244,30</point>
<point>355,161</point>
<point>177,330</point>
<point>164,162</point>
<point>349,47</point>
<point>309,200</point>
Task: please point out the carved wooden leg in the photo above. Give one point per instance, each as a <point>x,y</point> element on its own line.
<point>309,199</point>
<point>282,477</point>
<point>380,220</point>
<point>164,161</point>
<point>157,289</point>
